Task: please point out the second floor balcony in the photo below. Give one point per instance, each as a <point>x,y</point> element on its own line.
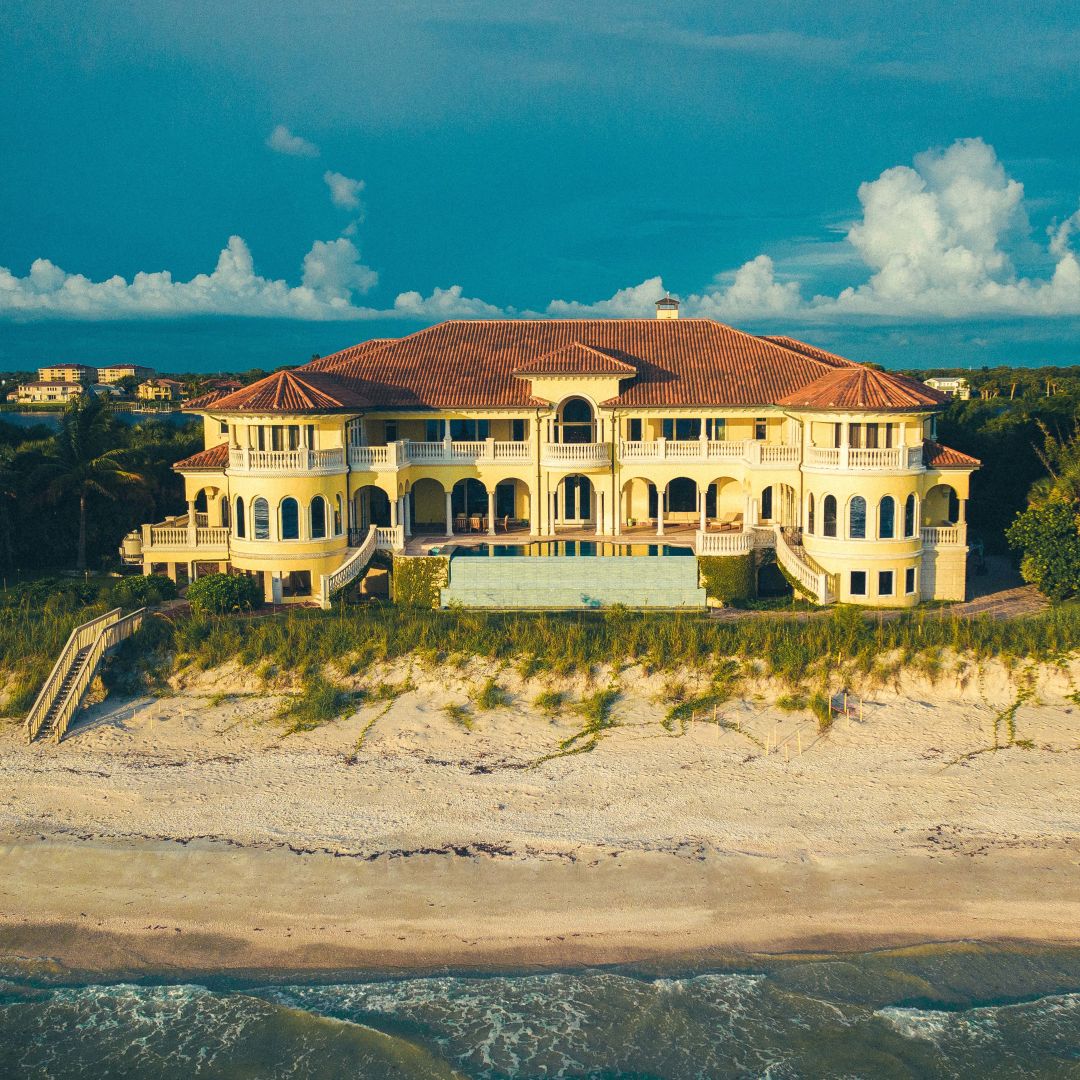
<point>746,451</point>
<point>865,458</point>
<point>243,459</point>
<point>396,455</point>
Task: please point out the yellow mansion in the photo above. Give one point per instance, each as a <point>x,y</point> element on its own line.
<point>653,436</point>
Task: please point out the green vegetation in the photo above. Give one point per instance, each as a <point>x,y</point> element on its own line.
<point>319,701</point>
<point>795,702</point>
<point>550,701</point>
<point>142,590</point>
<point>459,714</point>
<point>595,710</point>
<point>821,707</point>
<point>219,594</point>
<point>727,577</point>
<point>418,580</point>
<point>491,696</point>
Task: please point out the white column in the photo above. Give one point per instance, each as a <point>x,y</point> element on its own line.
<point>534,513</point>
<point>616,524</point>
<point>449,514</point>
<point>395,505</point>
<point>406,514</point>
<point>551,512</point>
<point>491,512</point>
<point>191,523</point>
<point>701,507</point>
<point>599,512</point>
<point>661,499</point>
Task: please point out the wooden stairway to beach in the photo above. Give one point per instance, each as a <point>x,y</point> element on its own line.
<point>75,667</point>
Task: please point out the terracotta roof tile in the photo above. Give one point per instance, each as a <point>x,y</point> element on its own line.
<point>858,387</point>
<point>473,363</point>
<point>203,401</point>
<point>576,359</point>
<point>216,458</point>
<point>293,391</point>
<point>936,456</point>
<point>832,359</point>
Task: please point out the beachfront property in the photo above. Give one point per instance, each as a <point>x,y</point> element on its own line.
<point>67,373</point>
<point>159,389</point>
<point>532,442</point>
<point>951,386</point>
<point>45,393</point>
<point>113,373</point>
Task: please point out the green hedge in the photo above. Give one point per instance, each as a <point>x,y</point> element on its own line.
<point>727,577</point>
<point>419,578</point>
<point>217,594</point>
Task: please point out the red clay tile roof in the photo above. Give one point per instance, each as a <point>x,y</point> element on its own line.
<point>832,359</point>
<point>472,363</point>
<point>216,458</point>
<point>936,456</point>
<point>858,387</point>
<point>576,359</point>
<point>292,391</point>
<point>203,401</point>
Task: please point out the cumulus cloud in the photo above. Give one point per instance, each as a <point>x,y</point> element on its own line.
<point>283,141</point>
<point>630,302</point>
<point>344,191</point>
<point>444,304</point>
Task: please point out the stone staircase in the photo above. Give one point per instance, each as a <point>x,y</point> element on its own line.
<point>522,581</point>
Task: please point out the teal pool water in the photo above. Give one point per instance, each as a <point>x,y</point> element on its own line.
<point>573,548</point>
<point>920,1013</point>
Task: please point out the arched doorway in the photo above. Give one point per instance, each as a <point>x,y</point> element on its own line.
<point>681,502</point>
<point>778,504</point>
<point>469,504</point>
<point>575,422</point>
<point>513,504</point>
<point>725,504</point>
<point>427,506</point>
<point>941,506</point>
<point>575,501</point>
<point>371,507</point>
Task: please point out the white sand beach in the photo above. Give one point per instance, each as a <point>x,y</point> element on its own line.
<point>192,832</point>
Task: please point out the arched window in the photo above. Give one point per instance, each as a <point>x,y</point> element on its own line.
<point>857,518</point>
<point>766,504</point>
<point>810,515</point>
<point>337,515</point>
<point>241,522</point>
<point>260,519</point>
<point>225,511</point>
<point>576,421</point>
<point>887,518</point>
<point>909,516</point>
<point>828,515</point>
<point>290,519</point>
<point>318,518</point>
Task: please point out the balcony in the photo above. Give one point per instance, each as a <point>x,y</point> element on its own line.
<point>944,535</point>
<point>154,543</point>
<point>865,458</point>
<point>286,462</point>
<point>404,452</point>
<point>588,455</point>
<point>746,452</point>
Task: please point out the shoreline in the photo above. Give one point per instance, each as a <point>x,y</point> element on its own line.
<point>113,909</point>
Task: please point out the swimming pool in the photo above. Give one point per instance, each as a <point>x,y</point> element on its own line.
<point>562,548</point>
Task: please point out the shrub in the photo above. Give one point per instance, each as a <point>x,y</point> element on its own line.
<point>319,701</point>
<point>491,696</point>
<point>727,577</point>
<point>418,580</point>
<point>1049,538</point>
<point>139,591</point>
<point>218,594</point>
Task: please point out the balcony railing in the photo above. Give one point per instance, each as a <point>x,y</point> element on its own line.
<point>939,535</point>
<point>876,458</point>
<point>747,451</point>
<point>734,543</point>
<point>410,452</point>
<point>575,455</point>
<point>286,462</point>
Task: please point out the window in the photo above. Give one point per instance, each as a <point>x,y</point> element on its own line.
<point>468,430</point>
<point>909,580</point>
<point>225,511</point>
<point>858,583</point>
<point>223,427</point>
<point>290,519</point>
<point>293,436</point>
<point>828,515</point>
<point>633,429</point>
<point>871,436</point>
<point>761,427</point>
<point>260,514</point>
<point>318,518</point>
<point>716,429</point>
<point>857,518</point>
<point>277,438</point>
<point>337,515</point>
<point>390,430</point>
<point>241,524</point>
<point>766,504</point>
<point>887,518</point>
<point>909,516</point>
<point>681,429</point>
<point>518,430</point>
<point>433,430</point>
<point>837,434</point>
<point>810,515</point>
<point>854,434</point>
<point>885,583</point>
<point>296,583</point>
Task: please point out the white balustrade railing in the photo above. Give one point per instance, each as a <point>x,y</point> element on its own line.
<point>769,454</point>
<point>181,536</point>
<point>349,570</point>
<point>446,452</point>
<point>944,534</point>
<point>512,451</point>
<point>724,543</point>
<point>285,462</point>
<point>370,457</point>
<point>747,451</point>
<point>864,457</point>
<point>811,576</point>
<point>390,538</point>
<point>581,455</point>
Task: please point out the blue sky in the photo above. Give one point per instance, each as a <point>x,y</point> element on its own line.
<point>207,185</point>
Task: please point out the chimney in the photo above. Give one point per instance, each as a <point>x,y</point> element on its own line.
<point>667,307</point>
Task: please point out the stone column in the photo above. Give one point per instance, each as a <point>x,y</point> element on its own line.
<point>701,507</point>
<point>406,514</point>
<point>449,514</point>
<point>191,523</point>
<point>395,505</point>
<point>491,512</point>
<point>661,500</point>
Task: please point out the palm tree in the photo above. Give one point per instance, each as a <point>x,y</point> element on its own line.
<point>83,463</point>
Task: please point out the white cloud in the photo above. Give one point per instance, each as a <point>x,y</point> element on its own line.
<point>282,140</point>
<point>631,302</point>
<point>344,191</point>
<point>444,304</point>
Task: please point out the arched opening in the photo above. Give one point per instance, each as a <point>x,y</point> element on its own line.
<point>941,506</point>
<point>469,502</point>
<point>911,516</point>
<point>857,518</point>
<point>289,519</point>
<point>810,522</point>
<point>338,517</point>
<point>887,518</point>
<point>725,505</point>
<point>427,507</point>
<point>513,505</point>
<point>223,510</point>
<point>371,507</point>
<point>318,518</point>
<point>575,422</point>
<point>680,507</point>
<point>638,503</point>
<point>828,515</point>
<point>260,519</point>
<point>202,510</point>
<point>574,501</point>
<point>241,522</point>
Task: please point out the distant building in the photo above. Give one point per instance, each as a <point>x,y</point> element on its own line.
<point>115,372</point>
<point>46,392</point>
<point>951,386</point>
<point>159,390</point>
<point>66,373</point>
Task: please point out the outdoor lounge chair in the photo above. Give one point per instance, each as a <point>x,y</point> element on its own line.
<point>731,522</point>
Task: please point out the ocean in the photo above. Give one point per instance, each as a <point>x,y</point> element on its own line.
<point>928,1012</point>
